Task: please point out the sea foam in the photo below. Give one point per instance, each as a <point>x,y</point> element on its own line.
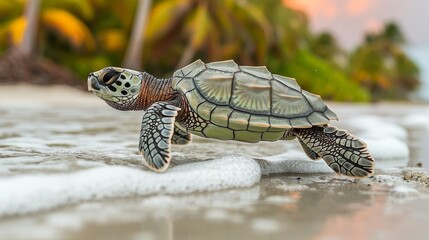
<point>31,193</point>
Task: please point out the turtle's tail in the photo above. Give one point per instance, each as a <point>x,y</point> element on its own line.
<point>344,153</point>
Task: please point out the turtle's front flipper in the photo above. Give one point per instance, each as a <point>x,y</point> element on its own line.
<point>343,152</point>
<point>156,133</point>
<point>180,137</point>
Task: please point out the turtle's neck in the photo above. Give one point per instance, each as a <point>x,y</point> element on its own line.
<point>153,90</point>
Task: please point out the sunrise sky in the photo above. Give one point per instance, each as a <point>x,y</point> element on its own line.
<point>349,19</point>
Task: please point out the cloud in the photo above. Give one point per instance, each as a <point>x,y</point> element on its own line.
<point>373,25</point>
<point>322,8</point>
<point>358,7</point>
<point>330,8</point>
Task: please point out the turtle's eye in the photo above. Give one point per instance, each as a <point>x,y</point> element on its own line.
<point>110,77</point>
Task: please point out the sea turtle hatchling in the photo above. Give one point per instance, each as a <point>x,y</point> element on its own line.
<point>222,100</point>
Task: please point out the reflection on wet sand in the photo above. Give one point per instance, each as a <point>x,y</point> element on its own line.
<point>329,208</point>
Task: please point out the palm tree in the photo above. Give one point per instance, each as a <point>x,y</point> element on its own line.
<point>180,30</point>
<point>32,18</point>
<point>381,65</point>
<point>133,54</point>
<point>22,63</point>
<point>325,46</point>
<point>308,57</point>
<point>23,30</point>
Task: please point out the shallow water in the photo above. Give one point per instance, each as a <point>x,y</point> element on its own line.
<point>69,169</point>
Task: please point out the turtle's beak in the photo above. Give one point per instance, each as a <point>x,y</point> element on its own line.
<point>93,84</point>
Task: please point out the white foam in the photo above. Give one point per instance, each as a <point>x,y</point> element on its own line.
<point>416,121</point>
<point>403,191</point>
<point>283,199</point>
<point>217,215</point>
<point>386,140</point>
<point>265,225</point>
<point>372,127</point>
<point>389,152</point>
<point>293,162</point>
<point>31,193</point>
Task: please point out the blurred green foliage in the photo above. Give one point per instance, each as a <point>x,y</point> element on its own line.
<point>317,75</point>
<point>381,66</point>
<point>87,35</point>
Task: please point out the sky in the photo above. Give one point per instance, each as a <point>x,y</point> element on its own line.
<point>348,20</point>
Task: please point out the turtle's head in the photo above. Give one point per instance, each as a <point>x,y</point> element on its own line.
<point>119,87</point>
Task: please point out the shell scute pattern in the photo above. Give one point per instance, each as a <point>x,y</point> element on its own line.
<point>218,132</point>
<point>258,71</point>
<point>272,136</point>
<point>228,66</point>
<point>188,85</point>
<point>243,98</point>
<point>317,119</point>
<point>289,82</point>
<point>195,98</point>
<point>300,123</point>
<point>315,101</point>
<point>176,79</point>
<point>215,85</point>
<point>288,102</point>
<point>251,94</point>
<point>220,115</point>
<point>259,123</point>
<point>205,109</point>
<point>247,136</point>
<point>279,124</point>
<point>192,69</point>
<point>238,120</point>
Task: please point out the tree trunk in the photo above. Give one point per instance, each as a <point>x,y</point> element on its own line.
<point>187,56</point>
<point>134,50</point>
<point>28,44</point>
<point>20,64</point>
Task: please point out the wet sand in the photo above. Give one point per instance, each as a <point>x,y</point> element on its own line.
<point>58,130</point>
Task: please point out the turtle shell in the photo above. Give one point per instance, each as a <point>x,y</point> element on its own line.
<point>249,98</point>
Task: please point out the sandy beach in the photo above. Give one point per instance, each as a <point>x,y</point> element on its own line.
<point>69,169</point>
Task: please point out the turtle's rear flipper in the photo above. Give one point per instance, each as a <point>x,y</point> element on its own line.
<point>310,153</point>
<point>343,152</point>
<point>156,133</point>
<point>180,137</point>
